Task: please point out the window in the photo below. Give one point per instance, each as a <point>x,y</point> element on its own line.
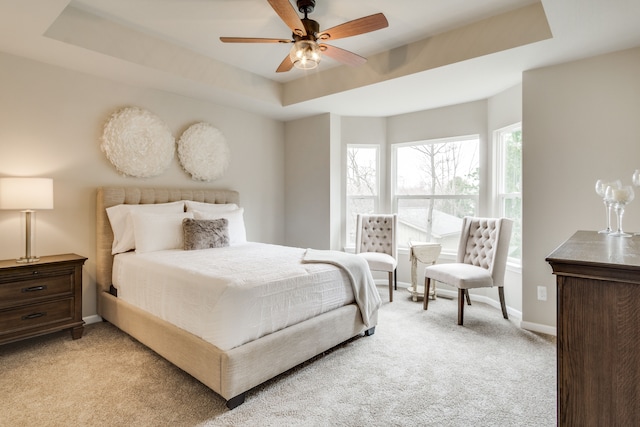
<point>508,144</point>
<point>363,185</point>
<point>436,184</point>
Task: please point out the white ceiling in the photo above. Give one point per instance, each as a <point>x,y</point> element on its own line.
<point>174,45</point>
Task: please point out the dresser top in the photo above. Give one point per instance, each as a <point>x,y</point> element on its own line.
<point>593,248</point>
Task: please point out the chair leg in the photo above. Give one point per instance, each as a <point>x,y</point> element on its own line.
<point>466,294</point>
<point>427,288</point>
<point>390,286</point>
<point>503,304</point>
<point>395,279</point>
<point>461,293</point>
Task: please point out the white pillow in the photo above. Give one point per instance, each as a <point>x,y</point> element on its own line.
<point>123,238</point>
<point>209,207</point>
<point>237,231</point>
<point>122,226</point>
<point>158,232</point>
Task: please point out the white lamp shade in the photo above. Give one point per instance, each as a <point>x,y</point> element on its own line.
<point>26,193</point>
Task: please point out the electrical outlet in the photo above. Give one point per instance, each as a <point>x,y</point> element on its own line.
<point>542,293</point>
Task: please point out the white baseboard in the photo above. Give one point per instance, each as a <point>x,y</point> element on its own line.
<point>446,293</point>
<point>514,315</point>
<point>92,319</point>
<point>536,327</point>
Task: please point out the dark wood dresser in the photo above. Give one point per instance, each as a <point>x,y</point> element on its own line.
<point>598,326</point>
<point>41,297</point>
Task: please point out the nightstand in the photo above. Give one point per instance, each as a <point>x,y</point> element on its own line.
<point>41,297</point>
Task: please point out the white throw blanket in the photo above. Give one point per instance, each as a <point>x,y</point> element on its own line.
<point>364,288</point>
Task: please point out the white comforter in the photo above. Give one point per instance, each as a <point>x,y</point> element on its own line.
<point>233,295</point>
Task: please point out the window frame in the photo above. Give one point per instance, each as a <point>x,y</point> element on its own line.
<point>500,196</point>
<point>350,198</point>
<point>396,198</point>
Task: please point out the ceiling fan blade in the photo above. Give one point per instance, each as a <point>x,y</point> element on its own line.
<point>252,40</point>
<point>342,55</point>
<point>355,27</point>
<point>288,14</point>
<point>285,65</point>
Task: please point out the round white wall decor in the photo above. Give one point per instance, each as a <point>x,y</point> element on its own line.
<point>138,143</point>
<point>203,152</point>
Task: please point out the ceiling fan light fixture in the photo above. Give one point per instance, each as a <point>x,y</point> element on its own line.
<point>305,54</point>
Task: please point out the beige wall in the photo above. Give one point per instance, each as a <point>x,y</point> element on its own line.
<point>50,123</point>
<point>336,161</point>
<point>308,182</point>
<point>581,122</point>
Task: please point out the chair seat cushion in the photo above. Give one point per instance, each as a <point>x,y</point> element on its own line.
<point>379,262</point>
<point>464,276</point>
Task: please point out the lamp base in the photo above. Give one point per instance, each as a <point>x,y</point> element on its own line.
<point>23,259</point>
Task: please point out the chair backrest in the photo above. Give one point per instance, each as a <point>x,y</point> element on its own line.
<point>484,242</point>
<point>377,233</point>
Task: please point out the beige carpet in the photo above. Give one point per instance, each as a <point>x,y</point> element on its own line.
<point>419,369</point>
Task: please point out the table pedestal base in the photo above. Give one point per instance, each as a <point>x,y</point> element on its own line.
<point>419,292</point>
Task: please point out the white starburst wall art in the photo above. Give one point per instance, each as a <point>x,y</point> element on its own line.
<point>203,152</point>
<point>138,143</point>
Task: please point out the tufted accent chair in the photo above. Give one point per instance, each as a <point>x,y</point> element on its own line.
<point>481,261</point>
<point>376,242</point>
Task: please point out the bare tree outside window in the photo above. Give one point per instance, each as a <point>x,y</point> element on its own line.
<point>362,184</point>
<point>437,183</point>
<point>362,171</point>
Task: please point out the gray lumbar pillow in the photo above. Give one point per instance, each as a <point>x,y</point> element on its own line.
<point>205,233</point>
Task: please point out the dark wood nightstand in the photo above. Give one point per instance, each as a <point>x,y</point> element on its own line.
<point>41,297</point>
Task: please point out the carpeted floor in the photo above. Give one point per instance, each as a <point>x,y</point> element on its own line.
<point>419,369</point>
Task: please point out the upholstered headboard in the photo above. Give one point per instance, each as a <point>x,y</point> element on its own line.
<point>111,196</point>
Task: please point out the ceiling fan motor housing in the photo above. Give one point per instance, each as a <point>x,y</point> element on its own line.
<point>311,27</point>
<point>306,6</point>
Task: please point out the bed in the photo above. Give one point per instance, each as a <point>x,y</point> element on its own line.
<point>244,360</point>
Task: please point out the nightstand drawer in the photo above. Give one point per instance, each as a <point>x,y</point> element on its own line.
<point>36,286</point>
<point>34,315</point>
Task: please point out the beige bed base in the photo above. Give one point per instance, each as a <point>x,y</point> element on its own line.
<point>229,373</point>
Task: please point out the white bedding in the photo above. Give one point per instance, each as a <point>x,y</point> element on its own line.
<point>233,295</point>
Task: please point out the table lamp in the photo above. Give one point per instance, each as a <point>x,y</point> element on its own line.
<point>27,195</point>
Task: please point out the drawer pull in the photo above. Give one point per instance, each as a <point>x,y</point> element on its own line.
<point>34,288</point>
<point>34,315</point>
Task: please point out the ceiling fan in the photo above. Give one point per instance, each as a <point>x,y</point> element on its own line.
<point>307,38</point>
